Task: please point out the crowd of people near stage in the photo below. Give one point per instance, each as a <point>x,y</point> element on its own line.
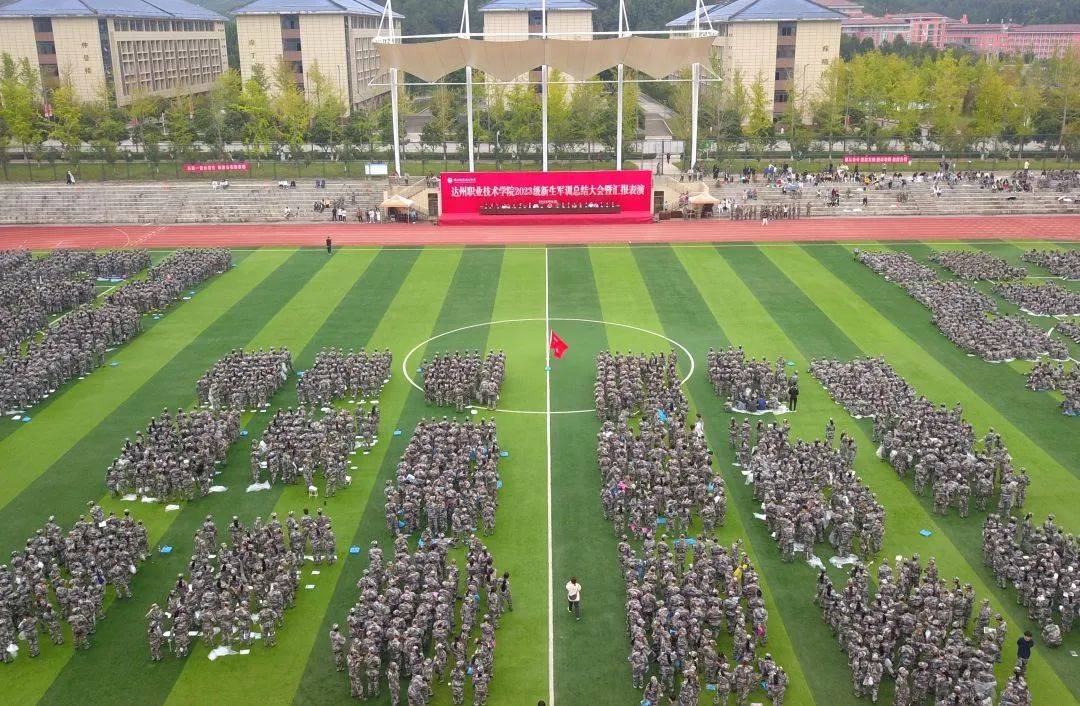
<point>251,579</point>
<point>1048,299</point>
<point>1042,563</point>
<point>338,374</point>
<point>976,265</point>
<point>1060,263</point>
<point>661,476</point>
<point>244,380</point>
<point>751,385</point>
<point>810,493</point>
<point>1055,376</point>
<point>461,379</point>
<point>643,383</point>
<point>966,316</point>
<point>295,446</point>
<point>177,458</point>
<point>932,442</point>
<point>410,624</point>
<point>77,343</point>
<point>447,480</point>
<point>63,578</point>
<point>918,631</point>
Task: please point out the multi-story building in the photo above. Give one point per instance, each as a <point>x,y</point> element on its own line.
<point>516,20</point>
<point>1045,41</point>
<point>849,8</point>
<point>786,44</point>
<point>165,48</point>
<point>989,38</point>
<point>336,36</point>
<point>914,28</point>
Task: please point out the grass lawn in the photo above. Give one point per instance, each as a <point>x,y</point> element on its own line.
<point>800,301</point>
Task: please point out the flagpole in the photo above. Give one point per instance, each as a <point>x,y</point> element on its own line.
<point>544,88</point>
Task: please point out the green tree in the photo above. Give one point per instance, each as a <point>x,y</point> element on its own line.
<point>758,129</point>
<point>258,113</point>
<point>67,126</point>
<point>104,126</point>
<point>20,104</point>
<point>179,123</point>
<point>589,110</point>
<point>522,119</point>
<point>444,118</point>
<point>142,114</point>
<point>291,109</point>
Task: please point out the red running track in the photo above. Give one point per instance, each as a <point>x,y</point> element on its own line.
<point>1063,228</point>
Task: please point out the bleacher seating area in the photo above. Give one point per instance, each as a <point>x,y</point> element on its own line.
<point>165,203</point>
<point>265,202</point>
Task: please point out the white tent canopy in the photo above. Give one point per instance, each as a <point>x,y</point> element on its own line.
<point>397,201</point>
<point>581,59</point>
<point>704,199</point>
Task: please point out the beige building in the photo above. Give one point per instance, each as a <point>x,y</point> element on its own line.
<point>788,45</point>
<point>337,36</point>
<point>516,20</point>
<point>169,48</point>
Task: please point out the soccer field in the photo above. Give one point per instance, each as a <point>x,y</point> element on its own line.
<point>799,301</point>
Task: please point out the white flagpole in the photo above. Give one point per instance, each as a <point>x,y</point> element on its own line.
<point>388,11</point>
<point>695,92</point>
<point>468,91</point>
<point>544,91</point>
<point>619,96</point>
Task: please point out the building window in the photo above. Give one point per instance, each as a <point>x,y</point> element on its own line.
<point>780,97</point>
<point>290,22</point>
<point>43,24</point>
<point>787,30</point>
<point>785,52</point>
<point>46,47</point>
<point>291,45</point>
<point>784,74</point>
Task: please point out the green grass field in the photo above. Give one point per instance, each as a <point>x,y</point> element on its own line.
<point>801,301</point>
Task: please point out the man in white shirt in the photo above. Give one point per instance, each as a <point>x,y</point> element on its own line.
<point>573,597</point>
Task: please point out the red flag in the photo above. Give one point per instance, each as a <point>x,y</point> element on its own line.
<point>557,345</point>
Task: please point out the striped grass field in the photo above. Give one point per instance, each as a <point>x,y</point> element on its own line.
<point>801,301</point>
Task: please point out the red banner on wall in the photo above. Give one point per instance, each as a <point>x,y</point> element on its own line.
<point>217,167</point>
<point>543,197</point>
<point>877,159</point>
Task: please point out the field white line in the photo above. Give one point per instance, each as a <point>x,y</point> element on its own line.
<point>547,320</point>
<point>550,574</point>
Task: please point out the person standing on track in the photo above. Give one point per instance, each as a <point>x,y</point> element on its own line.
<point>329,244</point>
<point>573,597</point>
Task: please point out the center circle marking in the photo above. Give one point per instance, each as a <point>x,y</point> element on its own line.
<point>418,346</point>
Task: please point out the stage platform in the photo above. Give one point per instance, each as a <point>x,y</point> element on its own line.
<point>548,219</point>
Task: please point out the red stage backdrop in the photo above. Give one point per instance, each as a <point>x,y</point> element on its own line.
<point>877,159</point>
<point>598,197</point>
<point>197,167</point>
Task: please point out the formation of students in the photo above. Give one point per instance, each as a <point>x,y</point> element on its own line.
<point>244,380</point>
<point>934,443</point>
<point>460,379</point>
<point>914,629</point>
<point>406,624</point>
<point>447,480</point>
<point>1050,299</point>
<point>1043,564</point>
<point>64,577</point>
<point>78,342</point>
<point>967,317</point>
<point>810,493</point>
<point>976,265</point>
<point>296,444</point>
<point>1060,263</point>
<point>177,458</point>
<point>644,383</point>
<point>751,385</point>
<point>253,578</point>
<point>338,374</point>
<point>1056,376</point>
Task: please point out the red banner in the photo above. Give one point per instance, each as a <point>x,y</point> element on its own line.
<point>465,194</point>
<point>877,159</point>
<point>198,167</point>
